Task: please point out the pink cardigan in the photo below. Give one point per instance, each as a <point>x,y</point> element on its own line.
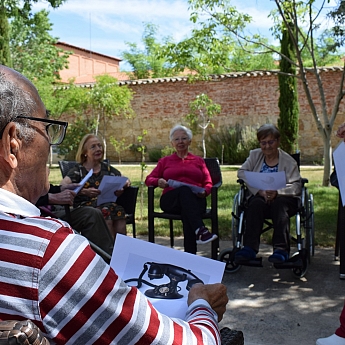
<point>191,169</point>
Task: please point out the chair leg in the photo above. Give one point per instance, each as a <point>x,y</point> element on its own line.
<point>171,226</point>
<point>134,229</point>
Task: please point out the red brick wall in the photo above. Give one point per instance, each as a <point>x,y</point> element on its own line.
<point>248,99</point>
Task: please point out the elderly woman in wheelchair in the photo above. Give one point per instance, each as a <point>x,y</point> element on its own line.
<point>277,205</point>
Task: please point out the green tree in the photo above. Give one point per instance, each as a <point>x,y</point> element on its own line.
<point>147,63</point>
<point>12,9</point>
<point>5,56</point>
<point>219,23</point>
<point>288,98</point>
<point>119,146</point>
<point>108,99</point>
<point>33,49</point>
<point>202,110</point>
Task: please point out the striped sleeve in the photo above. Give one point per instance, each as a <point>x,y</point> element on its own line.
<point>52,276</point>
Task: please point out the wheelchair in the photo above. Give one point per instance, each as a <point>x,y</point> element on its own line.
<point>304,220</point>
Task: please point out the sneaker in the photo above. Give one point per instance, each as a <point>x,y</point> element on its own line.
<point>278,256</point>
<point>203,236</point>
<point>245,254</point>
<point>332,340</point>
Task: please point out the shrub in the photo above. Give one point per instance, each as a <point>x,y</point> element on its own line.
<point>167,150</point>
<point>232,144</point>
<point>155,154</point>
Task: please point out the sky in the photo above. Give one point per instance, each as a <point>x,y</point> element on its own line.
<point>104,26</point>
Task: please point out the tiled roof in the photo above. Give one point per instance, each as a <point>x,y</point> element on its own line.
<point>212,76</point>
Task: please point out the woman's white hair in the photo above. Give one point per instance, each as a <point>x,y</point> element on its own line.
<point>182,128</point>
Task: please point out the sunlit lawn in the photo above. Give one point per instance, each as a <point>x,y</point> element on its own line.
<point>325,202</point>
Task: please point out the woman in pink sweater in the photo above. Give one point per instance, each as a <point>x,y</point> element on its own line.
<point>185,167</point>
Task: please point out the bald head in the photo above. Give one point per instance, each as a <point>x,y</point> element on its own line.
<point>18,97</point>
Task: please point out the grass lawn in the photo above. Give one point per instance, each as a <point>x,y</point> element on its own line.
<point>325,203</point>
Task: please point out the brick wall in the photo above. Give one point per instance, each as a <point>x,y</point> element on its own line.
<point>249,99</point>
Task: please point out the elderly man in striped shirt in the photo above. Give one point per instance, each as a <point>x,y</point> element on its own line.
<point>50,275</point>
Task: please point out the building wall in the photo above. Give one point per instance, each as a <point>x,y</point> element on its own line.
<point>84,65</point>
<point>246,99</point>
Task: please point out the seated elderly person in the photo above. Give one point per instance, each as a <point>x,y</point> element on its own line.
<point>90,157</point>
<point>278,205</point>
<point>184,167</point>
<point>50,275</point>
<point>86,220</point>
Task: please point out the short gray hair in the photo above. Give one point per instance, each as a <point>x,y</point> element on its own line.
<point>182,128</point>
<point>15,102</point>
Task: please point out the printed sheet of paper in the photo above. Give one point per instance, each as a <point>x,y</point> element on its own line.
<point>131,256</point>
<point>83,181</point>
<point>108,186</point>
<point>176,184</point>
<point>339,163</point>
<point>263,181</point>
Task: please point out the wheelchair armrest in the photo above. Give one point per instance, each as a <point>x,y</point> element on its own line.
<point>240,181</point>
<point>304,181</point>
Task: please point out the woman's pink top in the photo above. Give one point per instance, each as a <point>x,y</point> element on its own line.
<point>192,169</point>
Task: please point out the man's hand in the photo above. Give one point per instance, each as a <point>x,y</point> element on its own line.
<point>66,197</point>
<point>71,186</point>
<point>214,294</point>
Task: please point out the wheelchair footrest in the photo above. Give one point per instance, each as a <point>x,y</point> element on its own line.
<point>295,261</point>
<point>257,262</point>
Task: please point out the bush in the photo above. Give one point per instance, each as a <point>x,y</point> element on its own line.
<point>155,154</point>
<point>232,145</point>
<point>168,150</point>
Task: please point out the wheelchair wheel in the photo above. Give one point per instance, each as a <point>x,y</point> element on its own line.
<point>227,256</point>
<point>235,220</point>
<point>310,225</point>
<point>309,236</point>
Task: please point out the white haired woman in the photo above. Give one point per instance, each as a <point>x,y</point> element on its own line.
<point>184,167</point>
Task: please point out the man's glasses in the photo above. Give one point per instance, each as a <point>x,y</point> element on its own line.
<point>269,142</point>
<point>56,130</point>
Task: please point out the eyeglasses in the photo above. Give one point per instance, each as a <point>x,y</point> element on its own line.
<point>180,139</point>
<point>56,130</point>
<point>269,142</point>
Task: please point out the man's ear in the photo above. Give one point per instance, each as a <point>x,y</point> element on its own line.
<point>9,146</point>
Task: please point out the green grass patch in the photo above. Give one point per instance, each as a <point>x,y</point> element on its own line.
<point>325,203</point>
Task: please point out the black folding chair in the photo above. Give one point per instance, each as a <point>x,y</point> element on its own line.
<point>211,212</point>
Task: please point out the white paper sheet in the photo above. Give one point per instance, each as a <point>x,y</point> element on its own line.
<point>176,184</point>
<point>266,181</point>
<point>108,186</point>
<point>130,255</point>
<point>339,163</point>
<point>83,181</point>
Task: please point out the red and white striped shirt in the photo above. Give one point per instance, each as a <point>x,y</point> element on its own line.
<point>51,276</point>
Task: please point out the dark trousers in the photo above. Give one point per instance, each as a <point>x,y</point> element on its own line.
<point>90,223</point>
<point>186,203</point>
<point>279,211</point>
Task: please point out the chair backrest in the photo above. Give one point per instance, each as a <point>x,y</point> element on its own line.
<point>66,166</point>
<point>128,199</point>
<point>297,157</point>
<point>214,169</point>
